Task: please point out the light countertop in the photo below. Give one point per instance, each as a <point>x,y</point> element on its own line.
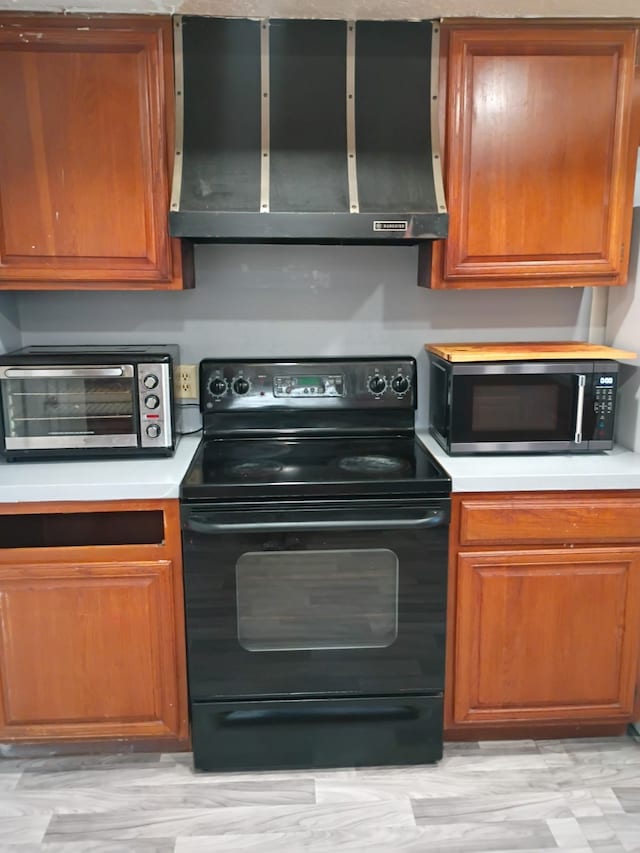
<point>158,479</point>
<point>612,469</point>
<point>98,479</point>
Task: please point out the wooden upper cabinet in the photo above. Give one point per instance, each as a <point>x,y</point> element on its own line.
<point>86,111</point>
<point>538,156</point>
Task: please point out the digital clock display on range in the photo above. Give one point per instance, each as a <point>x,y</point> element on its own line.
<point>304,385</point>
<point>307,381</point>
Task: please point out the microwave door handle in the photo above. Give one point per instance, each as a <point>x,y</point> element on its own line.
<point>60,372</point>
<point>582,381</point>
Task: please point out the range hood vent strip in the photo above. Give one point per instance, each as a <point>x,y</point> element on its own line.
<point>306,131</point>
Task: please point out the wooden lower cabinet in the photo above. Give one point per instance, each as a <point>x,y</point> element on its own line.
<point>92,637</point>
<point>547,634</point>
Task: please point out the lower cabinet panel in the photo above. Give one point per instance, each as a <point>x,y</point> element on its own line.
<point>88,650</point>
<point>546,635</point>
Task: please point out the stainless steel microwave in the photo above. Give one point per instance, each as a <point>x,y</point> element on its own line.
<point>522,406</point>
<point>87,401</point>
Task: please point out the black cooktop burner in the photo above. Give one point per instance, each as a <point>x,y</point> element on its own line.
<point>379,466</point>
<point>293,467</point>
<point>255,468</point>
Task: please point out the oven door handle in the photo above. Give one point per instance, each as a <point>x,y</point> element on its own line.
<point>435,518</point>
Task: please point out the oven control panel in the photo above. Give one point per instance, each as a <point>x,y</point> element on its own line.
<point>307,384</point>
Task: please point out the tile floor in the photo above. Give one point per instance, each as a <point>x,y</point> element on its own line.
<point>538,796</point>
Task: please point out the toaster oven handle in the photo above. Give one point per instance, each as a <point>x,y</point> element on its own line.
<point>435,518</point>
<point>63,372</point>
<point>582,381</point>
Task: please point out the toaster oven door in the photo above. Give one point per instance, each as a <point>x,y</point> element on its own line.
<point>61,408</point>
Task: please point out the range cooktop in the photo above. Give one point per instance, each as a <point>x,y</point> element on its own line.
<point>317,427</point>
<point>322,467</point>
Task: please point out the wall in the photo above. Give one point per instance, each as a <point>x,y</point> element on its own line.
<point>345,8</point>
<point>623,330</point>
<point>9,331</point>
<point>304,300</point>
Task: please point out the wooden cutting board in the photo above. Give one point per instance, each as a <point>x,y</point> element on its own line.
<point>535,351</point>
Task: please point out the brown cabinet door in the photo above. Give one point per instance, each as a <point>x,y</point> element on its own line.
<point>84,161</point>
<point>539,167</point>
<point>88,651</point>
<point>547,635</point>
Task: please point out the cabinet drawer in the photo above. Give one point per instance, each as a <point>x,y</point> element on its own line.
<point>549,518</point>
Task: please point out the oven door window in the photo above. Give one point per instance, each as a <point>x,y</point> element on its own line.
<point>508,407</point>
<point>67,410</point>
<point>306,600</point>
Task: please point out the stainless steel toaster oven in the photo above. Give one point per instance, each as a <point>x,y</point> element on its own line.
<point>75,401</point>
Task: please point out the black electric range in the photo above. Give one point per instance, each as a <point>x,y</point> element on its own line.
<point>323,428</point>
<point>315,532</point>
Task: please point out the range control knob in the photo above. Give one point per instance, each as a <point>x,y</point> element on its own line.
<point>400,384</point>
<point>152,402</point>
<point>218,386</point>
<point>377,384</point>
<point>240,386</point>
<point>153,430</point>
<point>150,381</point>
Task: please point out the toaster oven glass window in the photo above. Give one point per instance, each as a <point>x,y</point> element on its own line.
<point>69,406</point>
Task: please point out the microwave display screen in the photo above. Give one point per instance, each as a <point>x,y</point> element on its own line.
<point>513,407</point>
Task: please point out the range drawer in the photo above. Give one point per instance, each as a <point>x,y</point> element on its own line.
<point>549,517</point>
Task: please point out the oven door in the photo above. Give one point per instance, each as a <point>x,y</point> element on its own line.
<point>312,599</point>
<point>62,408</point>
<point>520,408</point>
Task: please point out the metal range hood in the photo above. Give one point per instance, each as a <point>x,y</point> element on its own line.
<point>307,131</point>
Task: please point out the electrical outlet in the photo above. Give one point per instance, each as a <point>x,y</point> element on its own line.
<point>186,382</point>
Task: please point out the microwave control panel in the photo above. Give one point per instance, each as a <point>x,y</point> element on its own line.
<point>604,395</point>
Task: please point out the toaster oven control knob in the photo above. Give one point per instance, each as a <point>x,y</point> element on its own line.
<point>400,384</point>
<point>218,387</point>
<point>153,430</point>
<point>240,386</point>
<point>150,381</point>
<point>152,402</point>
<point>377,384</point>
